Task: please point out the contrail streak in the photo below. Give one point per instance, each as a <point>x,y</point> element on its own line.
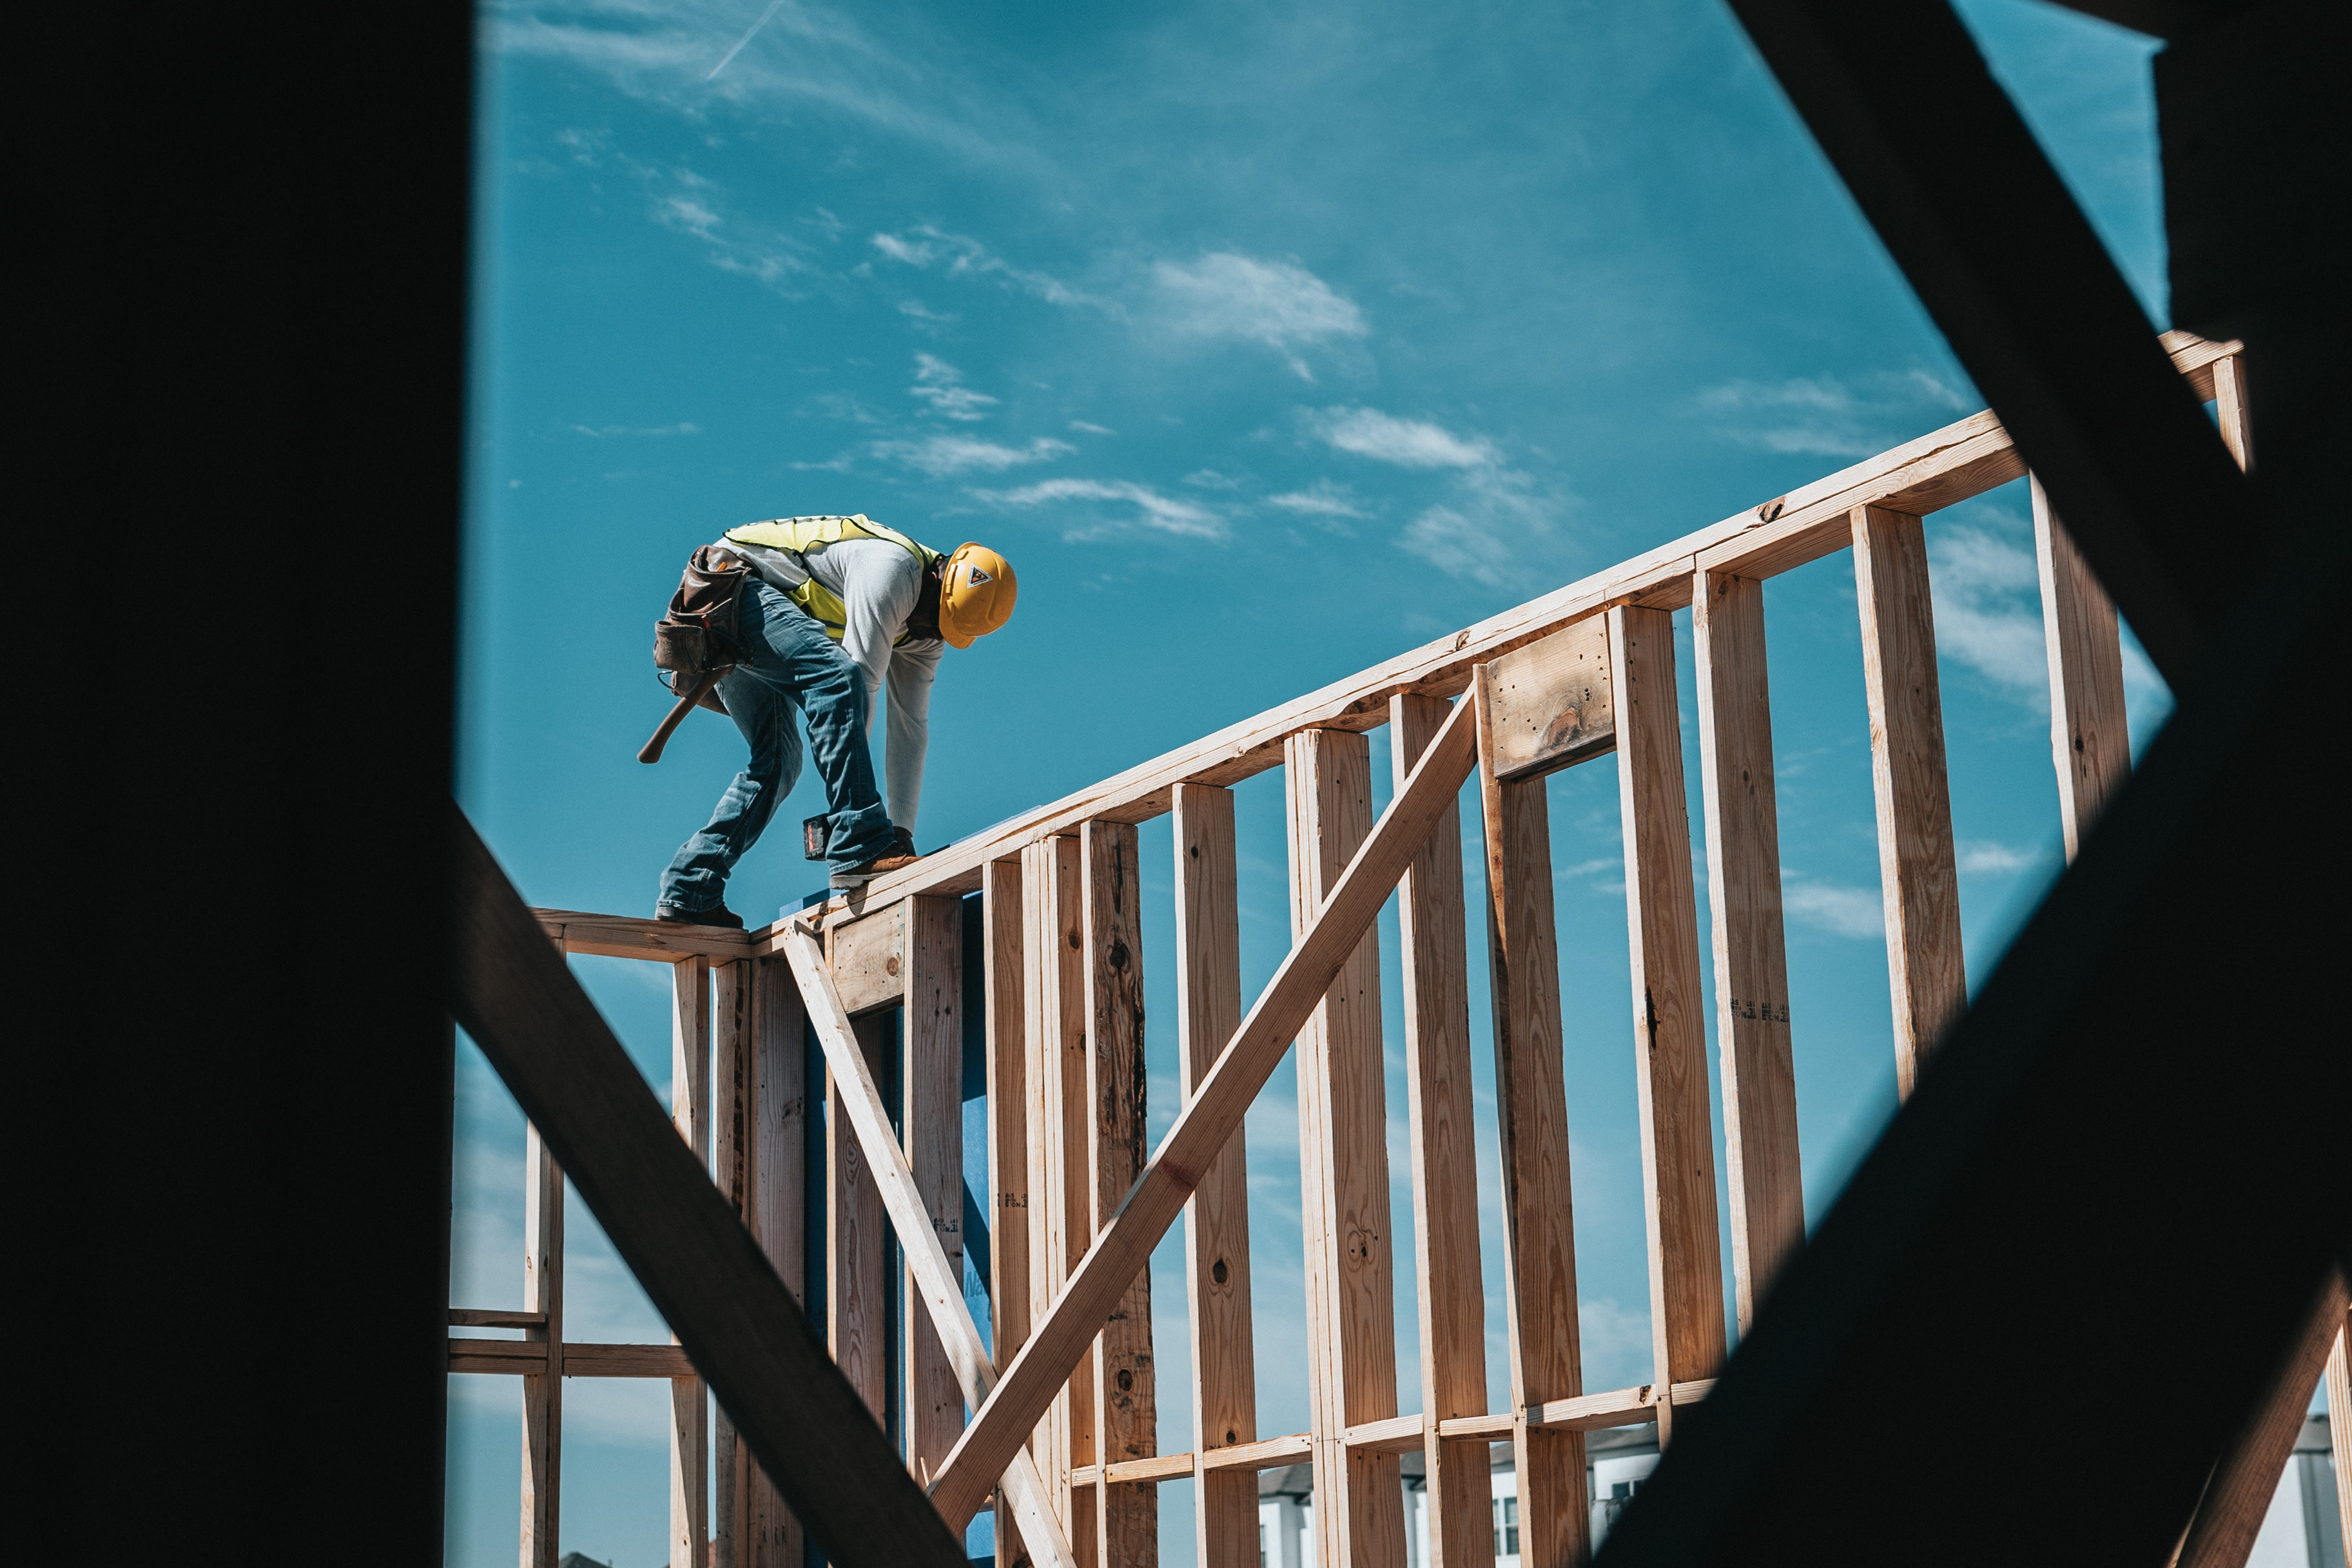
<point>774,6</point>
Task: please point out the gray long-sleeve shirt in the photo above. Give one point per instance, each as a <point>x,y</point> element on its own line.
<point>877,583</point>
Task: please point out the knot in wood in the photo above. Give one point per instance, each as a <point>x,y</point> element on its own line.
<point>1118,953</point>
<point>1217,1271</point>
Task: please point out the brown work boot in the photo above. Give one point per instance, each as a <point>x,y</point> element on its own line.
<point>883,864</point>
<point>720,915</point>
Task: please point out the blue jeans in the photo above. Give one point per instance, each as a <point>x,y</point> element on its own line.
<point>791,666</point>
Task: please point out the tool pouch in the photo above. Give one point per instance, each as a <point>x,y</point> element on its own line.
<point>697,634</point>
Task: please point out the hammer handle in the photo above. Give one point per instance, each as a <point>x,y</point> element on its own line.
<point>653,751</point>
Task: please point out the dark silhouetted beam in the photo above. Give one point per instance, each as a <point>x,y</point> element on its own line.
<point>2104,1217</point>
<point>1946,172</point>
<point>512,992</point>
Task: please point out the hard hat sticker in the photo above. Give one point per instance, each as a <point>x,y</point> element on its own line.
<point>979,577</point>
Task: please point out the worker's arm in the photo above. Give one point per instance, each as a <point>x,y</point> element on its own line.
<point>912,669</point>
<point>880,583</point>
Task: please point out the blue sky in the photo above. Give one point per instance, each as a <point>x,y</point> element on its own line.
<point>1268,341</point>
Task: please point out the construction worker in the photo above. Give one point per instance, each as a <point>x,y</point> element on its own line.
<point>835,606</point>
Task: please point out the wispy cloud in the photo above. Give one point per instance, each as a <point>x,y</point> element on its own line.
<point>1323,500</point>
<point>1987,596</point>
<point>609,431</point>
<point>1081,425</point>
<point>940,384</point>
<point>1855,912</point>
<point>1824,416</point>
<point>939,455</point>
<point>1276,303</point>
<point>961,255</point>
<point>915,310</point>
<point>1496,515</point>
<point>1988,857</point>
<point>796,60</point>
<point>686,202</point>
<point>765,17</point>
<point>1407,442</point>
<point>1489,532</point>
<point>1163,513</point>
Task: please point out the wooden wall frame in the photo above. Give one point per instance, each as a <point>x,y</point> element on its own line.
<point>1061,1408</point>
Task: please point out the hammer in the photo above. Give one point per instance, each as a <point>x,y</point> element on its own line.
<point>702,688</point>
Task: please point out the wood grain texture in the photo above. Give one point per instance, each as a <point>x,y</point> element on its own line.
<point>1751,968</point>
<point>629,936</point>
<point>2090,739</point>
<point>509,990</point>
<point>1669,1009</point>
<point>2230,1515</point>
<point>497,1318</point>
<point>1939,469</point>
<point>935,1278</point>
<point>855,1282</point>
<point>2339,1398</point>
<point>542,1395</point>
<point>1343,1169</point>
<point>1216,1220</point>
<point>1053,897</point>
<point>1003,941</point>
<point>1059,1336</point>
<point>931,1115</point>
<point>527,1357</point>
<point>1531,1107</point>
<point>732,1155</point>
<point>2230,407</point>
<point>869,958</point>
<point>1552,702</point>
<point>1266,1454</point>
<point>778,1105</point>
<point>1126,1378</point>
<point>1927,974</point>
<point>1433,953</point>
<point>690,1403</point>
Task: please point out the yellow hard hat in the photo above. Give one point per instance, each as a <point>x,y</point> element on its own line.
<point>976,592</point>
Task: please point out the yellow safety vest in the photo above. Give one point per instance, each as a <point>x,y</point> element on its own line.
<point>803,536</point>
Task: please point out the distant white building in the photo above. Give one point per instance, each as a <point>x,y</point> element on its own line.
<point>2302,1529</point>
<point>1617,1461</point>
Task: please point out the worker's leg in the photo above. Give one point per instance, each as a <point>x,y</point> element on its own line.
<point>763,710</point>
<point>831,692</point>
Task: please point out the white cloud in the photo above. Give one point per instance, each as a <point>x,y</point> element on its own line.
<point>1855,912</point>
<point>1491,530</point>
<point>1407,442</point>
<point>1826,417</point>
<point>1209,480</point>
<point>1092,429</point>
<point>961,255</point>
<point>915,309</point>
<point>940,384</point>
<point>1458,546</point>
<point>607,431</point>
<point>1153,511</point>
<point>685,202</point>
<point>1282,306</point>
<point>939,456</point>
<point>1987,596</point>
<point>806,63</point>
<point>1984,856</point>
<point>1321,499</point>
